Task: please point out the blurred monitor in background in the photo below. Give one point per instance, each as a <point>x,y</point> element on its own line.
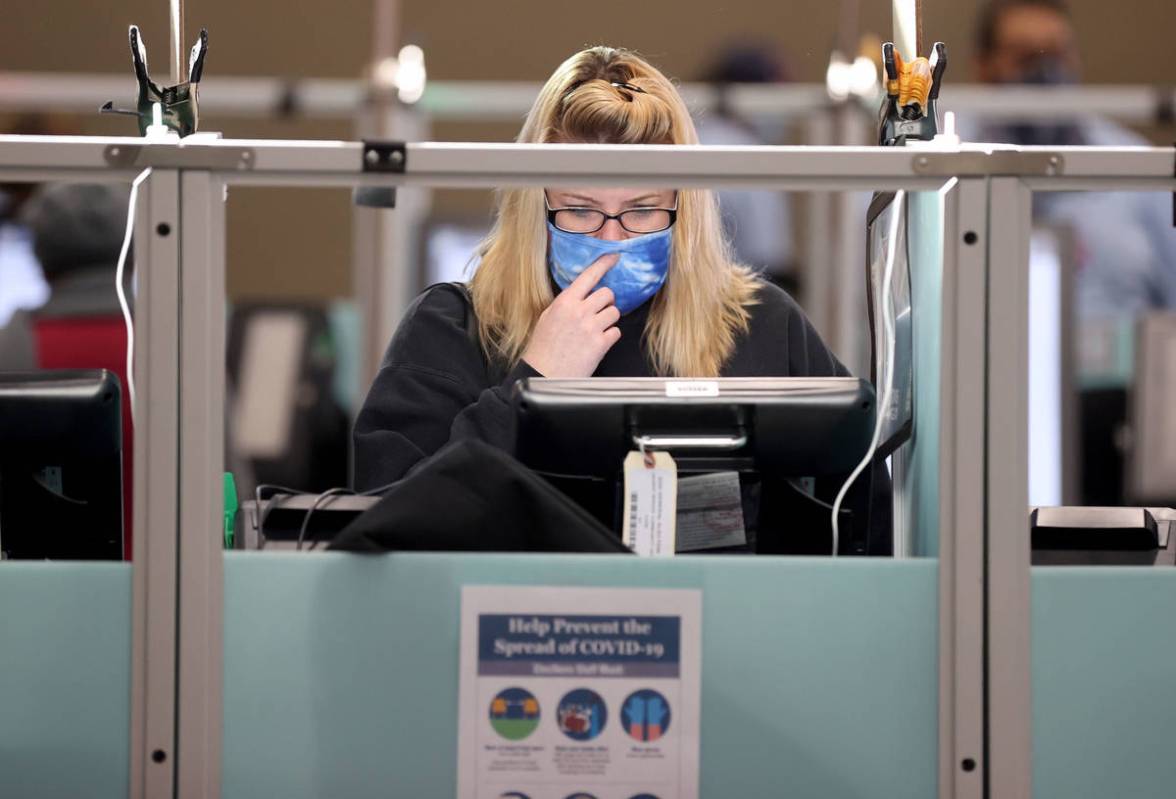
<point>1126,244</point>
<point>451,249</point>
<point>284,423</point>
<point>22,286</point>
<point>1053,436</point>
<point>758,223</point>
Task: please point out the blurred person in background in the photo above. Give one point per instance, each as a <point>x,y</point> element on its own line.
<point>579,282</point>
<point>1125,241</point>
<point>75,232</point>
<point>758,223</point>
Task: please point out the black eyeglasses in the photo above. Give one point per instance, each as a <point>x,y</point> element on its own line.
<point>590,220</point>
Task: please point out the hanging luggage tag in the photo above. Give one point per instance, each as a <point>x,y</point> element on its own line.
<point>651,501</point>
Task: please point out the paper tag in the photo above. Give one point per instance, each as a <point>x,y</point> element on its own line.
<point>692,388</point>
<point>651,498</point>
<point>710,512</point>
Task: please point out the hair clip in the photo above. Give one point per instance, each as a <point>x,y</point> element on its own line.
<point>628,87</point>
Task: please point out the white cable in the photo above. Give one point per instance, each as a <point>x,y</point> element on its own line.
<point>128,320</point>
<point>883,407</point>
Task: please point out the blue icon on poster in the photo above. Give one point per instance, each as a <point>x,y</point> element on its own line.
<point>645,715</point>
<point>581,714</point>
<point>643,796</point>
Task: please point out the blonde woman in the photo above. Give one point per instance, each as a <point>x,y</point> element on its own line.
<point>579,282</point>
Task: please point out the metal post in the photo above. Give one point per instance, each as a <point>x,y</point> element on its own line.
<point>202,390</point>
<point>178,54</point>
<point>385,29</point>
<point>1010,746</point>
<point>384,242</point>
<point>365,262</point>
<point>153,639</point>
<point>386,261</point>
<point>961,492</point>
<point>907,16</point>
<point>816,280</point>
<point>849,340</point>
<point>401,245</point>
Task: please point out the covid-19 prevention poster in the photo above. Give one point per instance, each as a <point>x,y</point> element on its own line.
<point>579,693</point>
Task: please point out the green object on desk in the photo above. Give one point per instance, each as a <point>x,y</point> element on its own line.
<point>231,506</point>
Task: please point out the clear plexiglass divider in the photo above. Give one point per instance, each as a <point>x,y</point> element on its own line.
<point>940,640</point>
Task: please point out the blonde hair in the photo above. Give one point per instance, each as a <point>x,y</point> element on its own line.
<point>698,315</point>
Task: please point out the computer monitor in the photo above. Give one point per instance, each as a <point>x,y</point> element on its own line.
<point>576,433</point>
<point>788,426</point>
<point>61,465</point>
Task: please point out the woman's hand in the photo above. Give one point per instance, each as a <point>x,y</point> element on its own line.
<point>577,329</point>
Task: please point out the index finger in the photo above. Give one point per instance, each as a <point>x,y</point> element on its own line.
<point>586,281</point>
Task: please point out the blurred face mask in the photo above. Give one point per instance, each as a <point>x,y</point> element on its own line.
<point>1046,70</point>
<point>637,276</point>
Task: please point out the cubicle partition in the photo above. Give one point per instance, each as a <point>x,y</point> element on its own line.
<point>341,671</point>
<point>1103,715</point>
<point>254,674</point>
<point>65,679</point>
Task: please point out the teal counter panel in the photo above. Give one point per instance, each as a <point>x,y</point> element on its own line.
<point>820,678</point>
<point>65,679</point>
<point>1104,660</point>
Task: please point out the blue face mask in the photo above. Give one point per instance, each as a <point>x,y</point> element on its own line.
<point>637,276</point>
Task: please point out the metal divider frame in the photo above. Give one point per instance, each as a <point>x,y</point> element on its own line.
<point>385,245</point>
<point>195,333</point>
<point>1007,603</point>
<point>156,369</point>
<point>1009,770</point>
<point>962,753</point>
<point>179,366</point>
<point>156,500</point>
<point>961,593</point>
<point>202,391</point>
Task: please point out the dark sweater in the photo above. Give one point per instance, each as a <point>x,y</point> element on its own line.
<point>435,385</point>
